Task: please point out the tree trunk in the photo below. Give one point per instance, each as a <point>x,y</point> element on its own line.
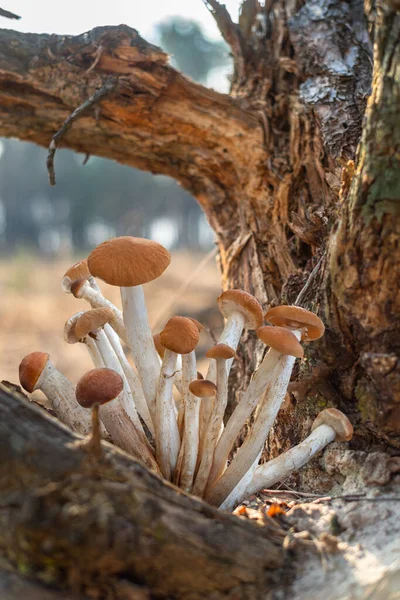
<point>265,164</point>
<point>70,520</point>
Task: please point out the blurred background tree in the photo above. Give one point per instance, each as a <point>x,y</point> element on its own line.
<point>102,198</point>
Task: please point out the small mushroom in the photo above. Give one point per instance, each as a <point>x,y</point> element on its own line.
<point>220,353</point>
<point>179,336</point>
<point>128,263</point>
<point>90,344</point>
<point>36,372</point>
<point>329,426</point>
<point>79,270</point>
<point>81,288</point>
<point>95,388</point>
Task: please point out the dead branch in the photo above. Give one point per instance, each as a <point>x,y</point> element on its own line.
<point>106,89</point>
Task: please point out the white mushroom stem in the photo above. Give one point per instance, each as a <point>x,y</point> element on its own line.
<point>213,429</point>
<point>125,399</point>
<point>167,434</point>
<point>96,300</point>
<point>94,353</point>
<point>61,394</point>
<point>281,467</point>
<point>190,442</point>
<point>254,443</point>
<point>125,435</point>
<point>230,335</point>
<point>254,394</point>
<point>140,341</point>
<point>133,380</point>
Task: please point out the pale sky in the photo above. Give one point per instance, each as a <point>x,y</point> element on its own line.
<point>77,16</point>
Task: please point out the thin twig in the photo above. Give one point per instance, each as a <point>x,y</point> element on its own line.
<point>229,30</point>
<point>86,159</point>
<point>8,14</point>
<point>97,57</point>
<point>309,281</point>
<point>184,287</point>
<point>78,112</point>
<point>319,498</point>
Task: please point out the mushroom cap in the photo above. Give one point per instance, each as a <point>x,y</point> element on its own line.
<point>221,350</point>
<point>31,368</point>
<point>98,386</point>
<point>338,421</point>
<point>199,326</point>
<point>203,388</point>
<point>159,347</point>
<point>76,287</point>
<point>244,303</point>
<point>91,320</point>
<point>69,328</point>
<point>128,261</point>
<point>297,317</point>
<point>79,270</point>
<point>280,339</point>
<point>180,335</point>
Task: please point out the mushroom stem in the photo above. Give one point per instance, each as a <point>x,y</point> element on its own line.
<point>265,373</point>
<point>167,434</point>
<point>132,379</point>
<point>93,351</point>
<point>140,341</point>
<point>254,443</point>
<point>95,441</point>
<point>190,441</point>
<point>125,400</point>
<point>213,429</point>
<point>281,467</point>
<point>61,394</point>
<point>96,300</point>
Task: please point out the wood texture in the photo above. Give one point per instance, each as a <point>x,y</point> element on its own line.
<point>69,520</point>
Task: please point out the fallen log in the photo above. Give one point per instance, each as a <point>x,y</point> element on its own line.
<point>77,523</point>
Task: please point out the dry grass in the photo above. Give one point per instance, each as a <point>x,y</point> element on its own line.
<point>33,309</point>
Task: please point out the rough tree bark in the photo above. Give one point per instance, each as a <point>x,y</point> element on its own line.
<point>265,163</point>
<point>70,520</point>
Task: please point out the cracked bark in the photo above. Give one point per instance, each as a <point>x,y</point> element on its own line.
<point>71,521</point>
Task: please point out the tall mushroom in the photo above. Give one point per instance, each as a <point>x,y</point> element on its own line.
<point>304,325</point>
<point>128,263</point>
<point>95,388</point>
<point>220,353</point>
<point>281,341</point>
<point>329,426</point>
<point>36,372</point>
<point>179,336</point>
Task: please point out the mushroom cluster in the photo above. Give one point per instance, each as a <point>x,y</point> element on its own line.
<point>163,412</point>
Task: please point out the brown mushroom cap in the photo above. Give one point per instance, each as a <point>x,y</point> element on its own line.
<point>203,388</point>
<point>180,335</point>
<point>338,421</point>
<point>31,368</point>
<point>199,326</point>
<point>79,270</point>
<point>159,347</point>
<point>91,320</point>
<point>280,339</point>
<point>298,318</point>
<point>244,303</point>
<point>98,386</point>
<point>128,261</point>
<point>76,287</point>
<point>221,351</point>
<point>69,328</point>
